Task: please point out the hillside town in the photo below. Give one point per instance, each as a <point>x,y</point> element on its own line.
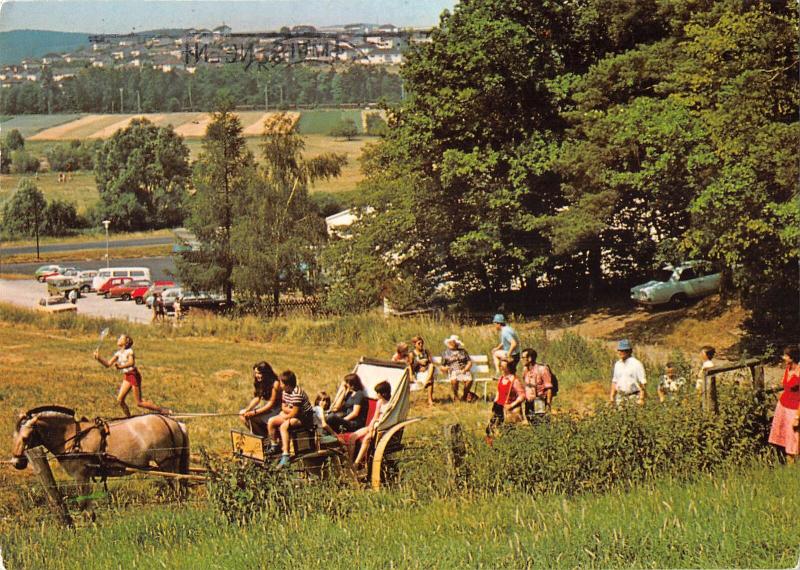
<point>186,49</point>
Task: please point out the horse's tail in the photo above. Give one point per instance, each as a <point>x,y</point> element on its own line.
<point>183,465</point>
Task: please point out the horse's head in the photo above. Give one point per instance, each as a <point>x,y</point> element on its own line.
<point>28,431</point>
<point>25,437</point>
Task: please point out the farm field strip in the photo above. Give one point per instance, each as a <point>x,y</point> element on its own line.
<point>108,131</point>
<point>79,129</point>
<point>29,125</point>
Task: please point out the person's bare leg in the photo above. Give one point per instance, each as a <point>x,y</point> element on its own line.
<point>147,404</point>
<point>123,393</point>
<point>362,453</point>
<point>467,388</point>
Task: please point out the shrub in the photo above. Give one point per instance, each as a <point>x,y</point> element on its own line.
<point>241,490</point>
<point>75,155</point>
<point>60,217</point>
<point>376,125</point>
<point>613,447</point>
<point>346,128</point>
<point>14,140</point>
<point>23,162</point>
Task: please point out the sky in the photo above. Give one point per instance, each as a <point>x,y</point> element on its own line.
<point>124,16</point>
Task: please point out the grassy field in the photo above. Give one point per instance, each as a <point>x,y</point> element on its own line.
<point>89,254</point>
<point>735,520</point>
<point>322,121</point>
<point>731,519</point>
<point>91,235</point>
<point>81,190</point>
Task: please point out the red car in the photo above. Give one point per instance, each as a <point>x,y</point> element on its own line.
<point>112,282</point>
<point>125,290</point>
<point>139,294</point>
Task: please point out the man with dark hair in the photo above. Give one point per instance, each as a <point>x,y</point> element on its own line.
<point>538,383</point>
<point>296,411</point>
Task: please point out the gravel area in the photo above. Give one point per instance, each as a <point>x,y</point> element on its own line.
<point>26,293</point>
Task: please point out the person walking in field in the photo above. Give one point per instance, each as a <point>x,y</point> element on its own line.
<point>787,411</point>
<point>510,396</point>
<point>628,381</point>
<point>124,360</point>
<point>509,345</point>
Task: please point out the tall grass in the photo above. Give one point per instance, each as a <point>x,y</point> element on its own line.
<point>737,519</point>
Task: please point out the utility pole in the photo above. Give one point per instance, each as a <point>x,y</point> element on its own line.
<point>281,88</point>
<point>121,107</point>
<point>191,106</point>
<point>266,98</point>
<point>138,102</point>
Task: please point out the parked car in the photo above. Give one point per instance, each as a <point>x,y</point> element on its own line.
<point>56,304</point>
<point>62,286</point>
<point>112,282</point>
<point>125,290</point>
<point>157,287</point>
<point>85,278</point>
<point>137,273</point>
<point>44,270</point>
<point>202,300</point>
<point>677,284</point>
<point>62,272</point>
<point>168,295</point>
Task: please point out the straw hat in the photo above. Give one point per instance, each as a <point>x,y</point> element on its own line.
<point>454,338</point>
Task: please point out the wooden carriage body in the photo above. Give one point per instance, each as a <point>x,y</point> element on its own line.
<point>313,448</point>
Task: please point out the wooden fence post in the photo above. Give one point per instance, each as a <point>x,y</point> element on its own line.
<point>710,399</point>
<point>38,458</point>
<point>456,451</point>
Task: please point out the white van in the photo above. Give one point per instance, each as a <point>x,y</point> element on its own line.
<point>135,273</point>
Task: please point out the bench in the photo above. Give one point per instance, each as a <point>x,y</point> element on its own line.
<point>372,408</point>
<point>480,371</point>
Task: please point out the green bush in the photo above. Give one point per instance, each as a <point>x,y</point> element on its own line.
<point>72,156</point>
<point>613,447</point>
<point>376,125</point>
<point>23,162</point>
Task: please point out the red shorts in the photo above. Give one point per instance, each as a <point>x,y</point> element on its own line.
<point>134,378</point>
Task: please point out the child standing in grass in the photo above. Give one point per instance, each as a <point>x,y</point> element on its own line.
<point>670,384</point>
<point>707,355</point>
<point>125,361</point>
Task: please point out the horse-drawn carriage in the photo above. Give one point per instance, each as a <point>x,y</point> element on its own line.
<point>315,451</point>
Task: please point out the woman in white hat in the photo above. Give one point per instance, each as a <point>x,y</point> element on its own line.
<point>456,364</point>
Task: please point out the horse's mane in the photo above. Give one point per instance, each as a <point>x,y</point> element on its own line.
<point>51,408</point>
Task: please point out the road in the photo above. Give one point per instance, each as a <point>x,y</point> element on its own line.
<point>160,267</point>
<point>112,244</point>
<point>26,293</point>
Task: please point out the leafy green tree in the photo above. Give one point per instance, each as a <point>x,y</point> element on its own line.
<point>5,158</point>
<point>14,140</point>
<point>23,162</point>
<point>279,229</point>
<point>23,214</point>
<point>223,172</point>
<point>142,172</point>
<point>346,129</point>
<point>60,217</point>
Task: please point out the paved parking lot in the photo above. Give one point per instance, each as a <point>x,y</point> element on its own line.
<point>26,293</point>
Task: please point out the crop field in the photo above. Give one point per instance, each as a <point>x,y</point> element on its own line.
<point>679,514</point>
<point>29,125</point>
<point>190,125</point>
<point>322,121</point>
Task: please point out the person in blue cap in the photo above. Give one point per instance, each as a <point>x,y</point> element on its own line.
<point>628,381</point>
<point>509,347</point>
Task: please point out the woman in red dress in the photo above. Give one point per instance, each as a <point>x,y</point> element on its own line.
<point>787,414</point>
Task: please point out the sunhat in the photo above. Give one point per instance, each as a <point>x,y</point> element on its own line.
<point>454,338</point>
<point>499,319</point>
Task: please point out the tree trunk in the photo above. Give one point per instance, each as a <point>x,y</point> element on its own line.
<point>595,272</point>
<point>276,297</point>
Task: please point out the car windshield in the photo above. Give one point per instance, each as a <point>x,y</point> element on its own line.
<point>665,275</point>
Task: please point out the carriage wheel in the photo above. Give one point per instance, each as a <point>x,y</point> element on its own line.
<point>380,465</point>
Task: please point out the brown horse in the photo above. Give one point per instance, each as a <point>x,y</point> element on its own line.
<point>96,448</point>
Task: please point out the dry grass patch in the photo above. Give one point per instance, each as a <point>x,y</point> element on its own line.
<point>90,254</point>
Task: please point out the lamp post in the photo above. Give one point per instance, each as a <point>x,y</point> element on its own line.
<point>106,223</point>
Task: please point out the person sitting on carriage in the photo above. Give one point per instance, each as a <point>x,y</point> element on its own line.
<point>350,407</point>
<point>266,400</point>
<point>296,411</point>
<point>322,403</point>
<point>367,434</point>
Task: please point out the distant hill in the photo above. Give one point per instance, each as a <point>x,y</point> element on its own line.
<point>17,45</point>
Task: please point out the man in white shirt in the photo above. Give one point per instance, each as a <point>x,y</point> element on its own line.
<point>628,381</point>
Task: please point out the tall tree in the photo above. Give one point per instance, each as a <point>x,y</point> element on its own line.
<point>24,213</point>
<point>222,174</point>
<point>276,236</point>
<point>142,172</point>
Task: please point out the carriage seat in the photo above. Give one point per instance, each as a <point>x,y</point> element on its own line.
<point>372,408</point>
